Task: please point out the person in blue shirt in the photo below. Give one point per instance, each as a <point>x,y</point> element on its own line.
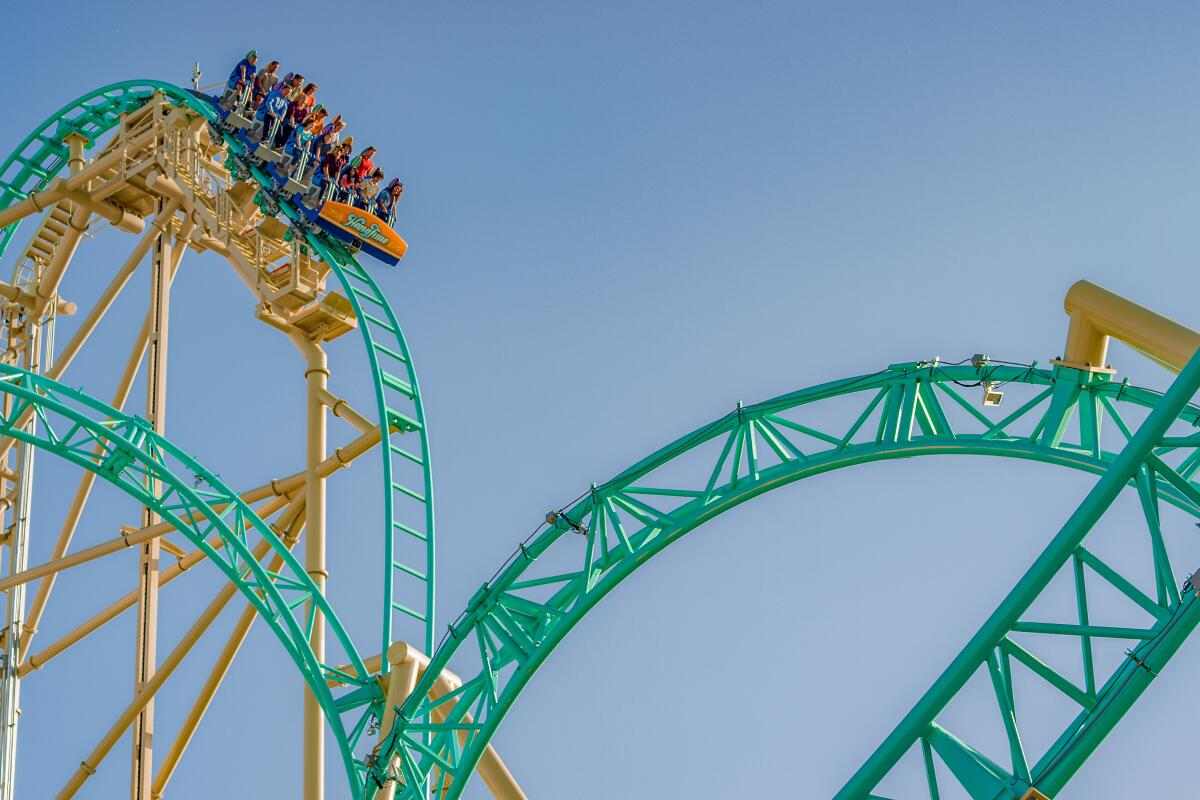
<point>299,147</point>
<point>240,87</point>
<point>385,203</point>
<point>321,145</point>
<point>274,110</point>
<point>243,74</point>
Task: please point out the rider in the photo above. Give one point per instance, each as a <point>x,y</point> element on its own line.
<point>331,168</point>
<point>316,116</point>
<point>363,164</point>
<point>298,146</point>
<point>272,112</point>
<point>264,82</point>
<point>385,204</point>
<point>322,143</point>
<point>289,83</point>
<point>298,110</point>
<point>354,174</point>
<point>242,75</point>
<point>368,189</point>
<point>336,126</point>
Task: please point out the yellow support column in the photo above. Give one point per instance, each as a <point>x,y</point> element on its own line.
<point>316,375</point>
<point>146,637</point>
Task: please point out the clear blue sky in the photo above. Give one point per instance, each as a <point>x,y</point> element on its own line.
<point>623,218</point>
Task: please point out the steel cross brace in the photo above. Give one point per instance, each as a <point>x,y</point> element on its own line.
<point>919,724</point>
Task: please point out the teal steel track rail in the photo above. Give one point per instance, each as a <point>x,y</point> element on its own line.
<point>1061,417</point>
<point>125,451</point>
<point>1065,418</point>
<point>409,512</point>
<point>409,571</point>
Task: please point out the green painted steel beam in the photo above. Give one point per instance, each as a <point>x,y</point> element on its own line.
<point>516,619</point>
<point>397,392</point>
<point>1119,474</point>
<point>124,450</point>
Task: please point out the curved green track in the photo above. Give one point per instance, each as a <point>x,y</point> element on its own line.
<point>557,575</point>
<point>125,451</point>
<point>515,619</point>
<point>408,509</point>
<point>408,607</point>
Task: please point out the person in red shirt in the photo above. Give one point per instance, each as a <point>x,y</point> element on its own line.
<point>363,164</point>
<point>355,173</point>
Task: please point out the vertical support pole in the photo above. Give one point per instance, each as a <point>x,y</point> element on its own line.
<point>146,640</point>
<point>316,375</point>
<point>10,686</point>
<point>18,560</point>
<point>8,674</point>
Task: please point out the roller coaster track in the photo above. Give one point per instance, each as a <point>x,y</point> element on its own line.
<point>409,583</point>
<point>1074,418</point>
<point>42,156</point>
<point>514,621</point>
<point>126,452</point>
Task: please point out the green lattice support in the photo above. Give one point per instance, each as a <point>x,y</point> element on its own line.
<point>555,577</point>
<point>125,451</point>
<point>408,502</point>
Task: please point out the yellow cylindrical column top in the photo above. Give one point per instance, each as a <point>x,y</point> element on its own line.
<point>1096,314</point>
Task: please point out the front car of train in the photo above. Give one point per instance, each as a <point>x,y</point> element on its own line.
<point>296,171</point>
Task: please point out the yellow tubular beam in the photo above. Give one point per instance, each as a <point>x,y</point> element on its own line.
<point>146,625</point>
<point>89,765</point>
<point>34,203</point>
<point>125,540</point>
<point>292,523</point>
<point>161,184</point>
<point>340,408</point>
<point>401,681</point>
<point>499,781</point>
<point>139,252</point>
<point>316,376</point>
<point>88,325</point>
<point>341,457</point>
<point>120,218</point>
<point>124,385</point>
<point>1097,314</point>
<point>182,565</point>
<point>60,188</point>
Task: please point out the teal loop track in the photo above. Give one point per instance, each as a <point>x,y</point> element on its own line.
<point>43,155</point>
<point>1132,438</point>
<point>408,503</point>
<point>126,452</point>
